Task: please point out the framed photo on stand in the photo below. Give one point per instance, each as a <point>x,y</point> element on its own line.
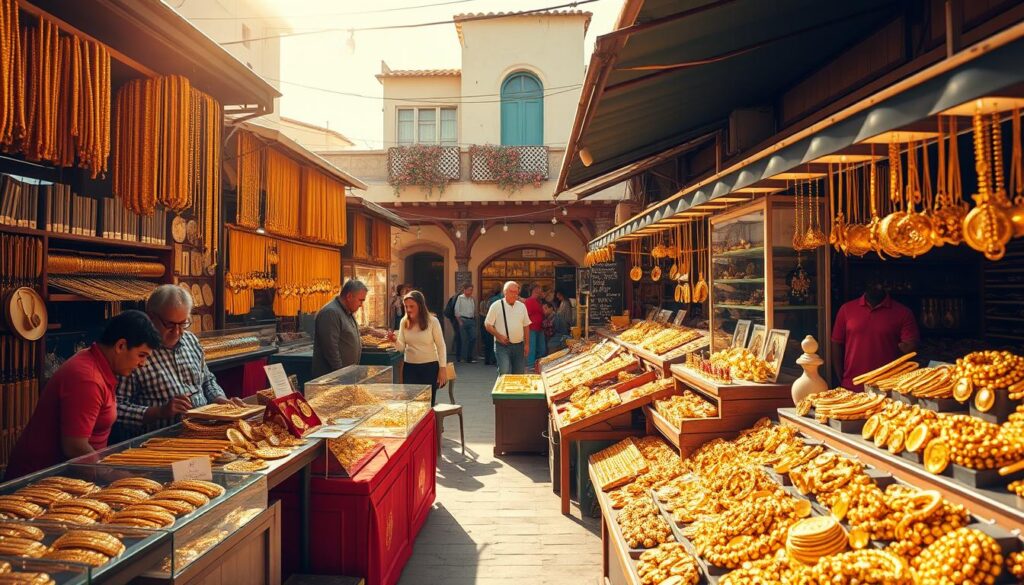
<point>739,336</point>
<point>757,338</point>
<point>775,350</point>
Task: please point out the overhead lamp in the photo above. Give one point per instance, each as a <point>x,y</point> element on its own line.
<point>552,233</point>
<point>458,234</point>
<point>565,211</point>
<point>505,227</point>
<point>483,230</point>
<point>533,231</point>
<point>260,230</point>
<point>585,157</point>
<point>554,220</point>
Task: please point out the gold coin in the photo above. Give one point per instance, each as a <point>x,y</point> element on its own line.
<point>868,430</point>
<point>802,508</point>
<point>936,456</point>
<point>306,411</point>
<point>636,273</point>
<point>916,438</point>
<point>178,229</point>
<point>814,527</point>
<point>963,390</point>
<point>858,539</point>
<point>656,273</point>
<point>985,399</point>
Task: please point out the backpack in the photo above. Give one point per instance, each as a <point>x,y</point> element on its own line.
<point>449,308</point>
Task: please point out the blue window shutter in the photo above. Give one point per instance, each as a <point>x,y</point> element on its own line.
<point>522,110</point>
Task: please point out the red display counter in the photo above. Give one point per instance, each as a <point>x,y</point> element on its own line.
<point>365,525</point>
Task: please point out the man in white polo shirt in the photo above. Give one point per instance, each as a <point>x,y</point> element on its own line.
<point>509,323</point>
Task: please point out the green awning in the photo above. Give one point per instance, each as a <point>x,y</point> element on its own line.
<point>723,55</point>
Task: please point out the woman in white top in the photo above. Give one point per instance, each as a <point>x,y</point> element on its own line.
<point>421,337</point>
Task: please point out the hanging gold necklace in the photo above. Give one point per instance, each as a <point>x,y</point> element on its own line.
<point>814,238</point>
<point>635,273</point>
<point>987,227</point>
<point>700,290</point>
<point>858,235</point>
<point>685,289</point>
<point>1017,177</point>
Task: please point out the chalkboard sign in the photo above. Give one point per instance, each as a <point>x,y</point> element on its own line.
<point>605,292</point>
<point>565,280</point>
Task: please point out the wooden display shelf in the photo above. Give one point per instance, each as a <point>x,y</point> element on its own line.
<point>613,545</point>
<point>106,242</point>
<point>554,396</point>
<point>697,431</point>
<point>600,426</point>
<point>998,504</point>
<point>739,391</point>
<point>660,362</point>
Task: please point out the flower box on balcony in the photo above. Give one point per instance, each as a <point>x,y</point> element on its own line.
<point>511,167</point>
<point>423,165</point>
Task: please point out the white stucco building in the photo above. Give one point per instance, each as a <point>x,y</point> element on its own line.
<point>518,86</point>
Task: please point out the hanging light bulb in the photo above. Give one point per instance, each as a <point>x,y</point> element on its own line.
<point>533,231</point>
<point>505,227</point>
<point>554,220</point>
<point>419,232</point>
<point>483,230</point>
<point>565,211</point>
<point>458,234</point>
<point>552,233</point>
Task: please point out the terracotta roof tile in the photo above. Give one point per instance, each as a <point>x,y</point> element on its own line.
<point>420,73</point>
<point>460,18</point>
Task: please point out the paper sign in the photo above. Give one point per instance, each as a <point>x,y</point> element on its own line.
<point>278,380</point>
<point>194,468</point>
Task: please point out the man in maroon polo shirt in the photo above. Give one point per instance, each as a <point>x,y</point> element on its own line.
<point>78,407</point>
<point>870,331</point>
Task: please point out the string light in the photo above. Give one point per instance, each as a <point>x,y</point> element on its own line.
<point>554,220</point>
<point>505,227</point>
<point>552,233</point>
<point>458,234</point>
<point>565,211</point>
<point>483,230</point>
<point>533,231</point>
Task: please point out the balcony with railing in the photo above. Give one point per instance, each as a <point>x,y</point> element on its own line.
<point>493,164</point>
<point>444,161</point>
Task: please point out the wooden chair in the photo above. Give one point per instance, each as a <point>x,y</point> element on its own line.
<point>441,411</point>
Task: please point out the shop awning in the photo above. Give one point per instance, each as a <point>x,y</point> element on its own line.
<point>977,71</point>
<point>159,40</point>
<point>376,210</point>
<point>680,67</point>
<point>300,151</point>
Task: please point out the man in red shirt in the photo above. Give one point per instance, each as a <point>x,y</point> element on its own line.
<point>870,331</point>
<point>78,407</point>
<point>536,313</point>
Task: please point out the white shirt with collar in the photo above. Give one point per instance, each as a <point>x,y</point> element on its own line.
<point>518,318</point>
<point>465,307</point>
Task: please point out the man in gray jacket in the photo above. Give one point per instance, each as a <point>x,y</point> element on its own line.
<point>336,343</point>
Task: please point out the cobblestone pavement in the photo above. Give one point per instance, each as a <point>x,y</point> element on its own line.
<point>496,520</point>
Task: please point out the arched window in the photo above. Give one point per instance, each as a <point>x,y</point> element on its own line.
<point>522,110</point>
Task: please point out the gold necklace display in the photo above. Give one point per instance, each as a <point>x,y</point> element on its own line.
<point>700,290</point>
<point>636,272</point>
<point>987,227</point>
<point>249,156</point>
<point>1017,177</point>
<point>283,183</point>
<point>950,208</point>
<point>323,209</point>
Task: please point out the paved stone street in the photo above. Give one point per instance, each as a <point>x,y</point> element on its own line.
<point>496,520</point>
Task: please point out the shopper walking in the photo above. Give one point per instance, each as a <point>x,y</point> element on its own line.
<point>465,316</point>
<point>488,339</point>
<point>421,337</point>
<point>509,323</point>
<point>536,313</point>
<point>397,305</point>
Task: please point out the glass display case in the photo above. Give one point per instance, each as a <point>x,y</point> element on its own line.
<point>374,312</point>
<point>388,410</point>
<point>44,571</point>
<point>140,548</point>
<point>223,343</point>
<point>760,283</point>
<point>192,533</point>
<point>355,374</point>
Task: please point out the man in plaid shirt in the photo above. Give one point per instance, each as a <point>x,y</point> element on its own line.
<point>175,378</point>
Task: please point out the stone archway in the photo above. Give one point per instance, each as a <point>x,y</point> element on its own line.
<point>487,279</point>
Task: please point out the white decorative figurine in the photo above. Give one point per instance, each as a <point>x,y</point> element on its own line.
<point>810,382</point>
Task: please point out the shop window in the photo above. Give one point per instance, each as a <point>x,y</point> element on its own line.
<point>427,126</point>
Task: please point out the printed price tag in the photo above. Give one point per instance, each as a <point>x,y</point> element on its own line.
<point>194,468</point>
<point>278,380</point>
